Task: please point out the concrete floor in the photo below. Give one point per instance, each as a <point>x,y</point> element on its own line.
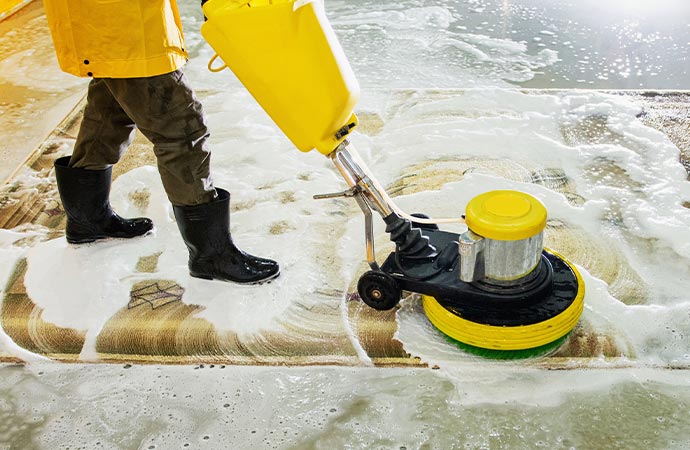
<point>90,406</point>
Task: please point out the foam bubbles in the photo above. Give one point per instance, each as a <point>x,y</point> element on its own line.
<point>506,406</point>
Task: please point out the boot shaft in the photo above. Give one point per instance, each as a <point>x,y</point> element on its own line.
<point>85,196</point>
<point>205,228</point>
<point>84,193</point>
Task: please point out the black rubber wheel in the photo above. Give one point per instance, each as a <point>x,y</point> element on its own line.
<point>423,226</point>
<point>379,290</point>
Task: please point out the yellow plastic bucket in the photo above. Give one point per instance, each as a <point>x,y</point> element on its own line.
<point>288,57</point>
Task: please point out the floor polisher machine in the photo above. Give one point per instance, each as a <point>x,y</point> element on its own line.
<point>493,289</point>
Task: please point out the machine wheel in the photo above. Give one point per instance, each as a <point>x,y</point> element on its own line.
<point>423,226</point>
<point>379,290</point>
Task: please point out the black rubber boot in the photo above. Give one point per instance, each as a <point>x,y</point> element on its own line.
<point>85,198</point>
<point>205,229</point>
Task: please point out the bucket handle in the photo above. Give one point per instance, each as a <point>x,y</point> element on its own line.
<point>216,69</point>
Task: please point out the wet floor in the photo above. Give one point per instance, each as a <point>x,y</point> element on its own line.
<point>34,94</point>
<point>614,187</point>
<point>213,407</point>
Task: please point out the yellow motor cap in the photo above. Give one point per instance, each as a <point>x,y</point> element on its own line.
<point>505,215</point>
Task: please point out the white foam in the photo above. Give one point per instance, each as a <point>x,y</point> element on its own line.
<point>81,287</point>
<point>316,407</point>
<point>512,125</point>
<point>10,253</point>
<point>336,407</point>
<point>403,19</point>
<point>424,47</point>
<point>273,183</point>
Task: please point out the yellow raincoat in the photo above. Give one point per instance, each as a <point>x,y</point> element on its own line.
<point>116,38</point>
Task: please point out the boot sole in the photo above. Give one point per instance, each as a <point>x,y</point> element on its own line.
<point>245,283</point>
<point>90,239</point>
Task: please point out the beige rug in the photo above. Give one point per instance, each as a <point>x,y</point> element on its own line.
<point>158,327</point>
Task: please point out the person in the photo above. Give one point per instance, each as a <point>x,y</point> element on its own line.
<point>133,51</point>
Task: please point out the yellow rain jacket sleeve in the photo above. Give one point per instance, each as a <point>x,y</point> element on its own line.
<point>116,38</point>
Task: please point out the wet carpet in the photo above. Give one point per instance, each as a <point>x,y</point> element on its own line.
<point>158,326</point>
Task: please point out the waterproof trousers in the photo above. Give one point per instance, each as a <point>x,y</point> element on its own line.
<point>167,113</point>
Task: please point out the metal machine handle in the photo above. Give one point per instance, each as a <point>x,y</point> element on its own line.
<point>471,248</point>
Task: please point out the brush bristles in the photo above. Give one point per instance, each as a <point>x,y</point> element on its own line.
<point>535,352</point>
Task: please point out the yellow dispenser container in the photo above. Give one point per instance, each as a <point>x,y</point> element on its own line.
<point>505,215</point>
<point>288,57</point>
